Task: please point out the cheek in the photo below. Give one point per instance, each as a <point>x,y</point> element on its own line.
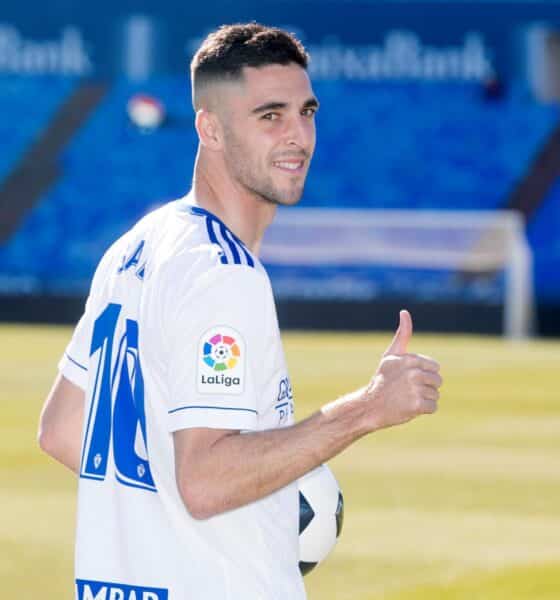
<point>238,149</point>
<point>312,135</point>
<point>263,148</point>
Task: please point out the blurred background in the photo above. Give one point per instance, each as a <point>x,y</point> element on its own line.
<point>435,186</point>
<point>447,111</point>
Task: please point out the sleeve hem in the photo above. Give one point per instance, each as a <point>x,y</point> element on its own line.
<point>73,371</point>
<point>212,417</point>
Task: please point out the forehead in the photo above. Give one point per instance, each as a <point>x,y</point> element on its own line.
<point>276,83</point>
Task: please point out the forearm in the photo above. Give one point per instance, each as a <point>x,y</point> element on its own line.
<point>65,451</point>
<point>60,424</point>
<point>240,468</point>
<point>221,470</point>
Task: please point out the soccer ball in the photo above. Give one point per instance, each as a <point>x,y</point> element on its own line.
<point>321,513</point>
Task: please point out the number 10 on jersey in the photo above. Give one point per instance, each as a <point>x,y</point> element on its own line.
<point>116,408</point>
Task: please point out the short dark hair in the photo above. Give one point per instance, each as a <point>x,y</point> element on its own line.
<point>226,51</point>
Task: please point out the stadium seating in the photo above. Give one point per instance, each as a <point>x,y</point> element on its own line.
<point>418,145</point>
<point>384,145</point>
<point>542,232</point>
<point>26,104</point>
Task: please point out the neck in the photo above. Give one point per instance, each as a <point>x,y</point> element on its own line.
<point>245,213</point>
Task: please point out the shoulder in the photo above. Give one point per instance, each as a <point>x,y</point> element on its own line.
<point>203,261</point>
<point>209,278</point>
<point>224,246</point>
<point>214,288</point>
<point>199,247</point>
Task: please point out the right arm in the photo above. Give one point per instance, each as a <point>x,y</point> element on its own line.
<point>218,470</point>
<point>60,424</point>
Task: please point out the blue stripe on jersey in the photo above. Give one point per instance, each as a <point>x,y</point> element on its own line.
<point>248,256</point>
<point>251,410</point>
<point>231,244</point>
<point>236,246</point>
<point>232,239</point>
<point>214,240</point>
<point>75,362</point>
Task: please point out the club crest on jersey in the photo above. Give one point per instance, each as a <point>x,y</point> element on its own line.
<point>221,361</point>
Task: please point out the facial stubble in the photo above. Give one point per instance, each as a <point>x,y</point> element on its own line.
<point>245,170</point>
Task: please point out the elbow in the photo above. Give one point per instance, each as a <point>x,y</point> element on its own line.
<point>197,500</point>
<point>49,439</point>
<point>46,440</point>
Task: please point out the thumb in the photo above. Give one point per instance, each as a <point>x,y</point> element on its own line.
<point>402,336</point>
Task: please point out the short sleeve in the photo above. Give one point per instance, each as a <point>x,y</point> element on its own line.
<point>74,363</point>
<point>216,362</point>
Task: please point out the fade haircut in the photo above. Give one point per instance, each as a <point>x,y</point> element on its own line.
<point>226,51</point>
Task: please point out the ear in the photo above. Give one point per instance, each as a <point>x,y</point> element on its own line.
<point>209,129</point>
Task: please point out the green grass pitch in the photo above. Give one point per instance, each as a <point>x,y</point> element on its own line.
<point>461,505</point>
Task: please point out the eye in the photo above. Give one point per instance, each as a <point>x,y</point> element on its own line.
<point>271,116</point>
<point>308,112</point>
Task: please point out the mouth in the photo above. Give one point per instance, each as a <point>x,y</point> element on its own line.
<point>293,166</point>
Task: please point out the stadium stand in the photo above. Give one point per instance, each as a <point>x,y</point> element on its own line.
<point>383,145</point>
<point>422,145</point>
<point>542,232</point>
<point>26,105</point>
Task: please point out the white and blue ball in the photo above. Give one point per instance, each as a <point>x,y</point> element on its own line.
<point>321,514</point>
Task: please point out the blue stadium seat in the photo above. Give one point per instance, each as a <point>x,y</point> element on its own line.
<point>543,232</point>
<point>26,105</point>
<point>380,145</point>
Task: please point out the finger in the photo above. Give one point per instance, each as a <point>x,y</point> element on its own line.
<point>402,337</point>
<point>430,394</point>
<point>419,361</point>
<point>433,362</point>
<point>429,406</point>
<point>430,379</point>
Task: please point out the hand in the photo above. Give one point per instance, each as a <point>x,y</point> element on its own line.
<point>405,385</point>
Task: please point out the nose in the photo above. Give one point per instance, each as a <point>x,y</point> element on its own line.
<point>300,132</point>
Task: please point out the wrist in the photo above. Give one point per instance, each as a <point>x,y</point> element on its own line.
<point>352,410</point>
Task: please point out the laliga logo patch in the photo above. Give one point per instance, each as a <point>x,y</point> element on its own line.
<point>222,362</point>
<point>221,352</point>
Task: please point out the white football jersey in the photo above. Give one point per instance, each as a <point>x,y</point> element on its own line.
<point>179,331</point>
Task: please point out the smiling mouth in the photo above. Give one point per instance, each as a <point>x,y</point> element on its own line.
<point>290,166</point>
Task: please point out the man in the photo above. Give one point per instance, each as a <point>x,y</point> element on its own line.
<point>165,404</point>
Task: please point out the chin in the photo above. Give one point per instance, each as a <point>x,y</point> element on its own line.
<point>281,197</point>
<point>291,201</point>
<point>289,198</point>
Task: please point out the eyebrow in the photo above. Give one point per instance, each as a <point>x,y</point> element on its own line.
<point>309,103</point>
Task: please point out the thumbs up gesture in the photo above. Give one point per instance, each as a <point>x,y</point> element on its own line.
<point>402,337</point>
<point>405,385</point>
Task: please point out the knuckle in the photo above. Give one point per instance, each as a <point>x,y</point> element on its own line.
<point>387,360</point>
<point>431,364</point>
<point>435,380</point>
<point>408,360</point>
<point>386,364</point>
<point>431,360</point>
<point>412,375</point>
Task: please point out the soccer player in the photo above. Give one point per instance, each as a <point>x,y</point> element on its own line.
<point>173,403</point>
